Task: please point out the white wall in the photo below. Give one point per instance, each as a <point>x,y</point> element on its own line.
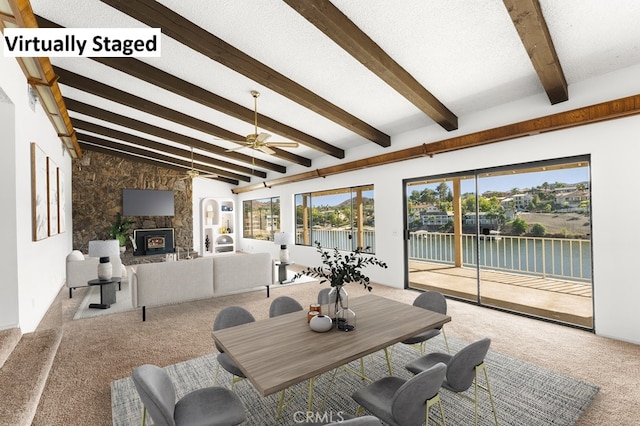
<point>37,271</point>
<point>613,166</point>
<point>9,288</point>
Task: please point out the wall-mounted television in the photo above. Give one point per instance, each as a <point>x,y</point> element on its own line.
<point>147,202</point>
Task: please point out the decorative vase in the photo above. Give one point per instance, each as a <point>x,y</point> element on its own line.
<point>284,254</point>
<point>321,323</point>
<point>105,269</point>
<point>338,298</point>
<point>346,319</point>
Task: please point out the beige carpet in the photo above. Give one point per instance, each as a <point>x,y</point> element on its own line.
<point>94,352</point>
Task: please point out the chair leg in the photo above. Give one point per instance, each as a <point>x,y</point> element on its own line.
<point>446,342</point>
<point>144,415</point>
<point>483,367</point>
<point>215,378</point>
<point>280,404</point>
<point>486,378</point>
<point>431,402</point>
<point>388,357</point>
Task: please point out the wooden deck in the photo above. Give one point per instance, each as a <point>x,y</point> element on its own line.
<point>562,301</point>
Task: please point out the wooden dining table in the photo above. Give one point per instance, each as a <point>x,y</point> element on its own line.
<point>279,352</point>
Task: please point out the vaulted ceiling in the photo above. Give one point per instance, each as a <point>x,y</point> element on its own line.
<point>335,77</point>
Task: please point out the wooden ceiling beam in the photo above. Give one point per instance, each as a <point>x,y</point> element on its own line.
<point>156,146</point>
<point>618,108</point>
<point>610,110</point>
<point>136,154</point>
<point>339,28</point>
<point>157,77</point>
<point>116,95</point>
<point>156,15</point>
<point>40,75</point>
<point>108,116</point>
<point>529,21</point>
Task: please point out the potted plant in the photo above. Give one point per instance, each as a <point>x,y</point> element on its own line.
<point>340,269</point>
<point>118,231</point>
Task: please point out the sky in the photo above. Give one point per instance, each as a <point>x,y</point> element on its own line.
<point>520,180</point>
<point>498,183</point>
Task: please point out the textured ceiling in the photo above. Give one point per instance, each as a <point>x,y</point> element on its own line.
<point>468,54</point>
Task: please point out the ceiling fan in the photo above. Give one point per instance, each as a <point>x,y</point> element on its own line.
<point>193,173</point>
<point>258,141</point>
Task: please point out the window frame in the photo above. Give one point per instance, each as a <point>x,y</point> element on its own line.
<point>272,218</point>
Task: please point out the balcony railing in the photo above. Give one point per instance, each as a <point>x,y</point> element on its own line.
<point>343,239</point>
<point>562,258</point>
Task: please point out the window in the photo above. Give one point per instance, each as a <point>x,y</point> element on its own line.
<point>516,237</point>
<point>261,218</point>
<point>341,218</point>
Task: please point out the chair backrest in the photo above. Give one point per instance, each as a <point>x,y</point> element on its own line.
<point>157,393</point>
<point>230,317</point>
<point>431,300</point>
<point>461,367</point>
<point>408,405</point>
<point>323,296</point>
<point>284,305</point>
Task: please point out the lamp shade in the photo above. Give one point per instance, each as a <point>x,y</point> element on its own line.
<point>104,248</point>
<point>282,238</point>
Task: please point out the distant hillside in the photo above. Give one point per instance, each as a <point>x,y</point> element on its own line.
<point>559,224</point>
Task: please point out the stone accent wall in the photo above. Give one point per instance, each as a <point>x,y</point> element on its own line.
<point>97,183</point>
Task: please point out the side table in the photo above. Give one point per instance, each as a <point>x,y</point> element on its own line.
<point>107,292</point>
<point>282,272</point>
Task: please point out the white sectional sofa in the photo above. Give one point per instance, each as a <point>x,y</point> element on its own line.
<point>81,268</point>
<point>154,284</point>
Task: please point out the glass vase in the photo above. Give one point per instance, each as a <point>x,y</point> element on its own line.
<point>346,319</point>
<point>338,298</point>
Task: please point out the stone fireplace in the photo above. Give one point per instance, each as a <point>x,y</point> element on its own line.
<point>153,241</point>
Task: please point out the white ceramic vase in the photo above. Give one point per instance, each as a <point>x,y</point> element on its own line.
<point>321,323</point>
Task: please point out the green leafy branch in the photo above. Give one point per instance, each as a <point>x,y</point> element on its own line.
<point>340,269</point>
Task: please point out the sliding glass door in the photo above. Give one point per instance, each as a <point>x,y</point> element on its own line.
<point>516,238</point>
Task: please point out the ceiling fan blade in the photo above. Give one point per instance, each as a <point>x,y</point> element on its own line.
<point>237,148</point>
<point>262,137</point>
<point>283,144</point>
<point>265,149</point>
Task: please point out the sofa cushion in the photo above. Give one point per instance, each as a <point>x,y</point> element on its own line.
<point>170,282</point>
<point>235,273</point>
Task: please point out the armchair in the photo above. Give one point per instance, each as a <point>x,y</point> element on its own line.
<point>81,268</point>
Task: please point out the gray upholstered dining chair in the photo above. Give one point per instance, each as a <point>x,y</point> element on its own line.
<point>280,306</point>
<point>463,370</point>
<point>323,296</point>
<point>432,301</point>
<point>206,406</point>
<point>284,305</point>
<point>401,402</point>
<point>230,317</point>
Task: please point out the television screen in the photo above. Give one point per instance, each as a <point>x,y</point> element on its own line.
<point>147,202</point>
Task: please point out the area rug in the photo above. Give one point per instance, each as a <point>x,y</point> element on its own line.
<point>123,302</point>
<point>524,394</point>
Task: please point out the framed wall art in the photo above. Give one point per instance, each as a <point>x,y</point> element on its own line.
<point>52,196</point>
<point>61,205</point>
<point>39,196</point>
